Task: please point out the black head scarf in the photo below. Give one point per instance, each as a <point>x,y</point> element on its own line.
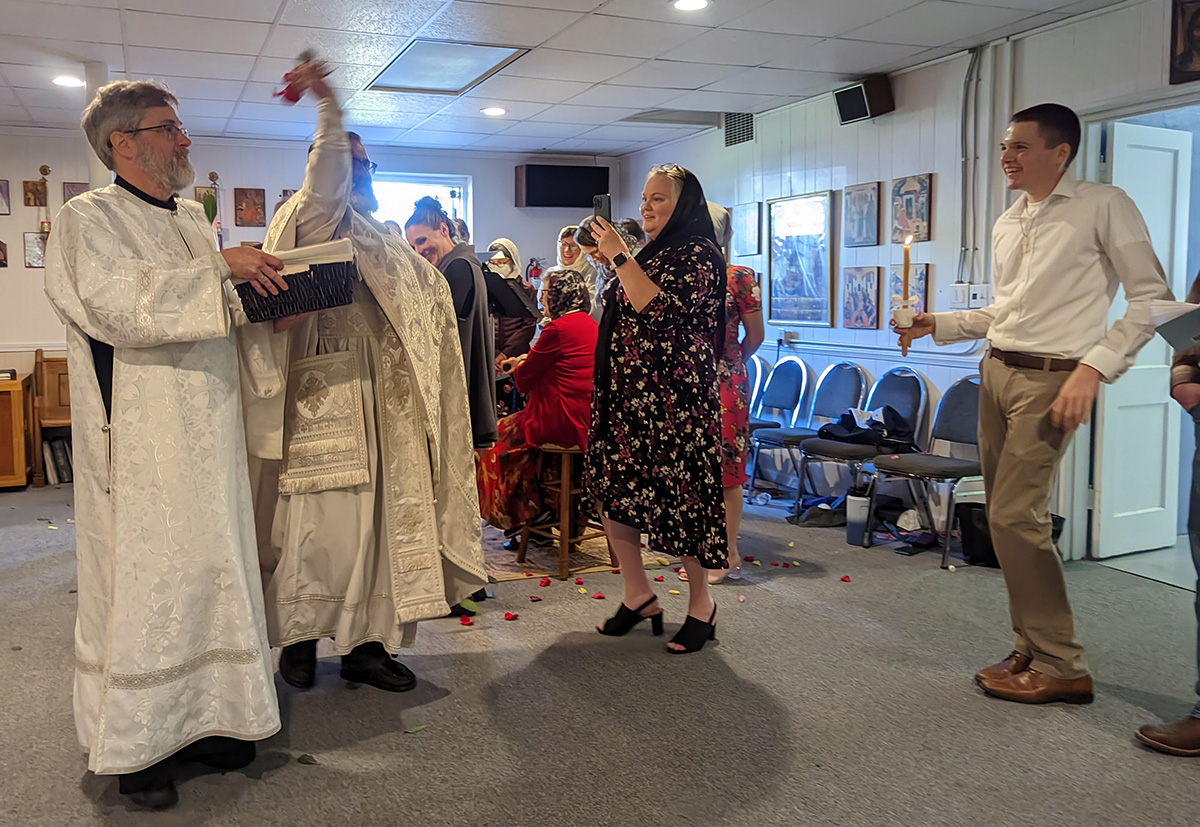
<point>690,223</point>
<point>566,292</point>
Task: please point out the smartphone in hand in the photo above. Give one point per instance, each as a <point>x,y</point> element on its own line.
<point>602,206</point>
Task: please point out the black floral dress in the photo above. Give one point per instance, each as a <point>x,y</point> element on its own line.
<point>654,452</point>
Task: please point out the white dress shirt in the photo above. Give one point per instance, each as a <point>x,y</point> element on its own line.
<point>1055,270</point>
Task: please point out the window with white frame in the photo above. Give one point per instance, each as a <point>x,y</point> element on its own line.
<point>398,192</point>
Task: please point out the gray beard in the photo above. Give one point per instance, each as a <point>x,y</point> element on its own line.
<point>175,174</point>
<point>363,201</point>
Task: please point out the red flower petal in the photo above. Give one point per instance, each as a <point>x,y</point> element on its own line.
<point>846,579</point>
<point>677,568</point>
<point>616,571</point>
<point>785,565</point>
<point>774,562</point>
<point>511,615</point>
<point>544,582</point>
<point>659,579</point>
<point>597,596</point>
<point>749,558</point>
<point>529,574</point>
<point>533,598</point>
<point>466,621</point>
<point>578,581</point>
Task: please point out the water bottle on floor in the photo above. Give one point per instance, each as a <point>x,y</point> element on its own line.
<point>761,498</point>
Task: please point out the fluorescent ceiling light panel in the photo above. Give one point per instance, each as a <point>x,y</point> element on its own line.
<point>440,68</point>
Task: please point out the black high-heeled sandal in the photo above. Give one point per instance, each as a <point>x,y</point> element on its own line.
<point>694,634</point>
<point>626,618</point>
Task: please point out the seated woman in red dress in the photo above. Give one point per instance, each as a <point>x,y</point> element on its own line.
<point>557,376</point>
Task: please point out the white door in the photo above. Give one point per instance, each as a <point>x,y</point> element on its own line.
<point>1135,467</point>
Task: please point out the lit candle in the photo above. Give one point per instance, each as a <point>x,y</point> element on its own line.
<point>904,293</point>
<point>45,226</point>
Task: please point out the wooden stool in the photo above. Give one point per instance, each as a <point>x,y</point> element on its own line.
<point>568,498</point>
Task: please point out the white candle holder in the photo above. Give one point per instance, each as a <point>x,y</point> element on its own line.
<point>903,314</point>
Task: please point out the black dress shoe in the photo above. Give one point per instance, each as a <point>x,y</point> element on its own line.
<point>151,788</point>
<point>219,752</point>
<point>371,664</point>
<point>480,595</point>
<point>298,664</point>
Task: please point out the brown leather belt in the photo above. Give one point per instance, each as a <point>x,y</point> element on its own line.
<point>1028,360</point>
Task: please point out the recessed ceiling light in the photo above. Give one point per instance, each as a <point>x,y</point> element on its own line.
<point>690,5</point>
<point>67,80</point>
<point>494,111</point>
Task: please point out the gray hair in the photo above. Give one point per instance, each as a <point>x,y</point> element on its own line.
<point>119,107</point>
<point>722,226</point>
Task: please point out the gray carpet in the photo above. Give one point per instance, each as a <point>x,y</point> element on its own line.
<point>825,703</point>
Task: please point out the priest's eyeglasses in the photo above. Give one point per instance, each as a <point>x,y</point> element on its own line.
<point>370,165</point>
<point>169,129</point>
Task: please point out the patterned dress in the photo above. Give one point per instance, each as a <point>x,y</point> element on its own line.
<point>654,453</point>
<point>743,297</point>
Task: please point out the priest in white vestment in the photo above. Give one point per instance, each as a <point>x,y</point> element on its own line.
<point>172,662</point>
<point>361,445</point>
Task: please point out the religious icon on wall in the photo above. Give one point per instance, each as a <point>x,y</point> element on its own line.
<point>249,207</point>
<point>911,198</point>
<point>72,188</point>
<point>201,192</point>
<point>35,249</point>
<point>284,195</point>
<point>799,264</point>
<point>3,254</point>
<point>860,215</point>
<point>918,284</point>
<point>5,203</point>
<point>1185,41</point>
<point>35,193</point>
<point>860,298</point>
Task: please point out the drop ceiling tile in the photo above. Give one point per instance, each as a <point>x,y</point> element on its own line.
<point>9,98</point>
<point>500,25</point>
<point>14,116</point>
<point>49,116</point>
<point>344,75</point>
<point>191,109</point>
<point>721,102</point>
<point>623,96</point>
<point>265,93</point>
<point>514,110</point>
<point>373,16</point>
<point>206,126</point>
<point>563,65</point>
<point>1025,24</point>
<point>1084,6</point>
<point>582,145</point>
<point>66,53</point>
<point>432,138</point>
<point>536,90</point>
<point>1028,5</point>
<point>53,97</point>
<point>639,134</point>
<point>202,88</point>
<point>276,130</point>
<point>378,135</point>
<point>145,62</point>
<point>373,117</point>
<point>512,143</point>
<point>617,36</point>
<point>542,129</point>
<point>409,102</point>
<point>458,123</point>
<point>670,74</point>
<point>776,82</point>
<point>936,22</point>
<point>562,5</point>
<point>349,47</point>
<point>818,18</point>
<point>275,112</point>
<point>596,115</point>
<point>261,11</point>
<point>717,13</point>
<point>167,31</point>
<point>851,57</point>
<point>740,48</point>
<point>38,20</point>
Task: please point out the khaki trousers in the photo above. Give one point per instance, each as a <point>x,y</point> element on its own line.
<point>1020,451</point>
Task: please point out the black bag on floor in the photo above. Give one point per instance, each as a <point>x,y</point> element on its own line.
<point>977,537</point>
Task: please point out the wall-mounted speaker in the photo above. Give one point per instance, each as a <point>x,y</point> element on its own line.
<point>868,99</point>
<point>547,185</point>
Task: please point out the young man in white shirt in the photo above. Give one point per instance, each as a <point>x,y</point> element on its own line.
<point>1058,255</point>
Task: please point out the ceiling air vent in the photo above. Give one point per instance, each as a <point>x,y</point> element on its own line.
<point>739,128</point>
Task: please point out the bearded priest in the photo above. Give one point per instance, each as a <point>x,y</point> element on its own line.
<point>171,656</point>
<point>360,448</point>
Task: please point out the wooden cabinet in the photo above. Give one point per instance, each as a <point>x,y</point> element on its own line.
<point>16,431</point>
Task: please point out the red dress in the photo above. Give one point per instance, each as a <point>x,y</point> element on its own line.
<point>743,298</point>
<point>557,375</point>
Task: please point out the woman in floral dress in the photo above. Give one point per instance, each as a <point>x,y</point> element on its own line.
<point>654,453</point>
<point>743,308</point>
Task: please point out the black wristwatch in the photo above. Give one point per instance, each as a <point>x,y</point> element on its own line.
<point>619,260</point>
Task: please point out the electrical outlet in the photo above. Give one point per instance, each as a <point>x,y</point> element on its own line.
<point>960,296</point>
<point>790,336</point>
<point>981,295</point>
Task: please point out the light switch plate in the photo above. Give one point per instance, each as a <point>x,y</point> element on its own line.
<point>981,295</point>
<point>960,296</point>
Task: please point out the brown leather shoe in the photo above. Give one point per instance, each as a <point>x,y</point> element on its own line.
<point>1179,738</point>
<point>1011,665</point>
<point>1034,687</point>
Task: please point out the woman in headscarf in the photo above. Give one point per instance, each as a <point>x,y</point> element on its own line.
<point>513,335</point>
<point>653,460</point>
<point>570,257</point>
<point>604,271</point>
<point>557,376</point>
<point>743,308</point>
